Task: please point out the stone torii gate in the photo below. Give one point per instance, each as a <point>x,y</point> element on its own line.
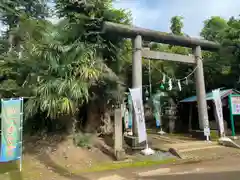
<point>139,34</point>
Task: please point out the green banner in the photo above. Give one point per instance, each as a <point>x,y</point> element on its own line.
<point>11,130</point>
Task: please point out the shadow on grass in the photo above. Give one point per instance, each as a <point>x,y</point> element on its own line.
<point>11,169</point>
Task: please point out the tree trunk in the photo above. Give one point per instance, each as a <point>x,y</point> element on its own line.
<point>93,118</point>
<point>67,122</point>
<point>106,127</point>
<point>98,119</point>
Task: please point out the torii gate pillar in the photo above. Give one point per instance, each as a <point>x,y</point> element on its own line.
<point>200,89</point>
<point>136,71</point>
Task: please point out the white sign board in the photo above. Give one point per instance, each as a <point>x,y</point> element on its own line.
<point>218,110</point>
<point>235,103</point>
<point>206,131</point>
<point>136,94</point>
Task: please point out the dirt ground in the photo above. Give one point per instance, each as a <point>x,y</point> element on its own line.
<point>54,157</point>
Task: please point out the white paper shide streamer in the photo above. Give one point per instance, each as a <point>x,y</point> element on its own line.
<point>179,85</point>
<point>164,78</point>
<point>170,84</point>
<point>172,80</point>
<point>186,81</point>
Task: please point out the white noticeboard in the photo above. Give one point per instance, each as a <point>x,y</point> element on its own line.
<point>136,94</point>
<point>218,110</point>
<point>206,131</point>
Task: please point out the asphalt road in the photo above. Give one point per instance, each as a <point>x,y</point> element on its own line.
<point>233,175</point>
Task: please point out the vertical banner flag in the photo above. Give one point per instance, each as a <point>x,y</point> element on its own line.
<point>218,110</point>
<point>157,117</point>
<point>126,118</point>
<point>130,111</point>
<point>157,106</point>
<point>136,94</point>
<point>11,139</point>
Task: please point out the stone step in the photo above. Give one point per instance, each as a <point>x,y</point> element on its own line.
<point>187,146</point>
<point>195,144</point>
<point>112,177</point>
<point>168,139</point>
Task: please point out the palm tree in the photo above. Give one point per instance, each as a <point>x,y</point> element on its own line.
<point>55,76</point>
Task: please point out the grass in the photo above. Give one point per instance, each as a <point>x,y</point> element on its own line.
<point>32,172</point>
<point>214,135</point>
<point>133,164</point>
<point>13,168</point>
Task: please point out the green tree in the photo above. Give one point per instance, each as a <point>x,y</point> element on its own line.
<point>61,67</point>
<point>10,12</point>
<point>177,25</point>
<point>53,76</point>
<point>89,15</point>
<point>225,62</point>
<point>212,28</point>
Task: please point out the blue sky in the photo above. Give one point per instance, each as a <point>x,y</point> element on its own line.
<point>156,14</point>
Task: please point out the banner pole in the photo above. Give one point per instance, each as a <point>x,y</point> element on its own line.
<point>231,115</point>
<point>21,135</point>
<point>1,131</point>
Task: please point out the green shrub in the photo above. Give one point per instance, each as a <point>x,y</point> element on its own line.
<point>83,140</point>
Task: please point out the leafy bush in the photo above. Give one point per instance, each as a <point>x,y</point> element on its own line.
<point>83,140</point>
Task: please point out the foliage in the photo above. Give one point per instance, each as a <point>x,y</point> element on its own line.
<point>58,68</point>
<point>83,140</point>
<point>212,28</point>
<point>55,76</point>
<point>11,9</point>
<point>226,61</point>
<point>90,17</point>
<point>176,25</point>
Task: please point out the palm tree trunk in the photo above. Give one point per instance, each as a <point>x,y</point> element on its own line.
<point>98,119</point>
<point>106,127</point>
<point>93,120</point>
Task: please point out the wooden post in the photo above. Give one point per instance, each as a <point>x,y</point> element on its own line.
<point>118,135</point>
<point>136,72</point>
<point>200,88</point>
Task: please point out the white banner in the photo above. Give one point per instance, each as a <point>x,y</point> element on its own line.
<point>218,110</point>
<point>136,94</point>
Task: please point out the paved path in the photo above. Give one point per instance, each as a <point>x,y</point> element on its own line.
<point>228,168</point>
<point>233,175</point>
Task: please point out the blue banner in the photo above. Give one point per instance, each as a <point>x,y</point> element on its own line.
<point>130,113</point>
<point>11,137</point>
<point>157,118</point>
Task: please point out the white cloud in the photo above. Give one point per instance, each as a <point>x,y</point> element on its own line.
<point>156,14</point>
<point>140,14</point>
